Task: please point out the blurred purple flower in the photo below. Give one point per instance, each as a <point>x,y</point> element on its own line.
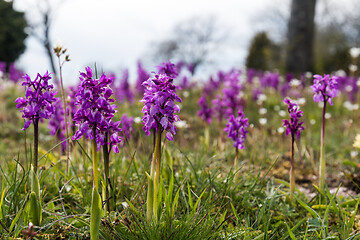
<point>95,111</point>
<point>270,80</point>
<point>3,67</point>
<point>57,123</point>
<point>219,107</point>
<point>251,73</point>
<point>178,66</point>
<point>15,74</point>
<point>294,126</point>
<point>123,92</point>
<point>211,86</point>
<point>142,77</point>
<point>232,92</point>
<point>256,93</point>
<point>39,99</point>
<point>167,68</point>
<point>205,112</point>
<point>191,68</point>
<point>159,99</point>
<point>324,88</point>
<point>235,128</point>
<point>126,126</point>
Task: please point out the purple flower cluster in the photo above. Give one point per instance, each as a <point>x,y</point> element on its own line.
<point>294,126</point>
<point>205,112</point>
<point>126,126</point>
<point>39,99</point>
<point>167,68</point>
<point>270,80</point>
<point>123,92</point>
<point>95,111</point>
<point>143,75</point>
<point>159,98</point>
<point>236,129</point>
<point>232,92</point>
<point>57,122</point>
<point>324,88</point>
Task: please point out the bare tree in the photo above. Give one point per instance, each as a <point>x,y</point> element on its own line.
<point>300,36</point>
<point>40,26</point>
<point>192,41</point>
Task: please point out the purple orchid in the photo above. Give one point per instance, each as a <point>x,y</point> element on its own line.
<point>168,68</point>
<point>124,92</point>
<point>219,107</point>
<point>236,129</point>
<point>325,88</point>
<point>143,75</point>
<point>39,99</point>
<point>205,112</point>
<point>57,123</point>
<point>232,92</point>
<point>95,112</point>
<point>159,99</point>
<point>126,126</point>
<point>294,126</point>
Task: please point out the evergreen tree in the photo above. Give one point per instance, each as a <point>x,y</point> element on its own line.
<point>12,33</point>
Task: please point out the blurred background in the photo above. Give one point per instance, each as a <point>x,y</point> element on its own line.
<point>285,35</point>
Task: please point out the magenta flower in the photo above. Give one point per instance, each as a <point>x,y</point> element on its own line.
<point>124,92</point>
<point>324,88</point>
<point>294,126</point>
<point>159,98</point>
<point>143,75</point>
<point>235,128</point>
<point>219,107</point>
<point>57,123</point>
<point>95,111</point>
<point>39,99</point>
<point>205,111</point>
<point>232,92</point>
<point>168,68</point>
<point>126,126</point>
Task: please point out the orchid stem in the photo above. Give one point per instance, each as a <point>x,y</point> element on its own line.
<point>322,165</point>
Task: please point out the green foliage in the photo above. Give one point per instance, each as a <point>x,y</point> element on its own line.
<point>12,32</point>
<point>263,53</point>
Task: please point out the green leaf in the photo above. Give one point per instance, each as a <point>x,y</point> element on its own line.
<point>35,185</point>
<point>350,224</point>
<point>198,201</point>
<point>95,216</point>
<point>292,236</point>
<point>313,213</point>
<point>175,202</point>
<point>34,209</point>
<point>191,204</point>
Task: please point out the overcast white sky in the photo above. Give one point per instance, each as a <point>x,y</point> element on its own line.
<point>116,33</point>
